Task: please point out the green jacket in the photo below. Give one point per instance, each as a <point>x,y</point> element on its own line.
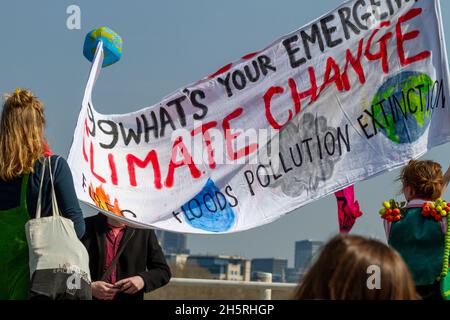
<point>420,241</point>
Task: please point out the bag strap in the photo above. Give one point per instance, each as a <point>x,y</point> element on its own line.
<point>446,250</point>
<point>39,200</point>
<point>55,208</point>
<point>116,258</point>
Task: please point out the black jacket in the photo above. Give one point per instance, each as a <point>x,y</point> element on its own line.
<point>142,256</point>
<point>68,204</point>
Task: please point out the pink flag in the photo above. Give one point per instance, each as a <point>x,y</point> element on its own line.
<point>348,208</point>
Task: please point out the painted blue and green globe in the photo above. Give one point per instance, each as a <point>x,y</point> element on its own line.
<point>406,114</point>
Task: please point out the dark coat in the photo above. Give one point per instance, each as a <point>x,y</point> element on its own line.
<point>142,256</point>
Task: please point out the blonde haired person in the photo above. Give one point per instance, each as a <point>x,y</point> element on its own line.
<point>342,271</point>
<point>22,146</point>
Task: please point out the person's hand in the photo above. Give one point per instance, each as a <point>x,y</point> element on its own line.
<point>103,291</point>
<point>130,285</point>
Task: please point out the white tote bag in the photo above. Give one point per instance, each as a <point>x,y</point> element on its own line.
<point>59,262</point>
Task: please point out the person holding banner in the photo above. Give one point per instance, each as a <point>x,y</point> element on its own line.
<point>22,147</point>
<point>124,262</point>
<point>417,229</point>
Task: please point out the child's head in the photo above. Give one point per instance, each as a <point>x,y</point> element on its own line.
<point>422,179</point>
<point>344,267</point>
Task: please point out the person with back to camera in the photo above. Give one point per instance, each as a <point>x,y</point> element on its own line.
<point>341,272</point>
<point>22,149</point>
<point>417,228</point>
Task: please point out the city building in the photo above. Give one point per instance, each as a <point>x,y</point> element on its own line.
<point>305,252</point>
<point>223,267</point>
<point>176,259</point>
<point>172,242</point>
<point>275,266</point>
<point>293,275</point>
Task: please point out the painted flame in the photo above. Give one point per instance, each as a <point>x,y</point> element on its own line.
<point>102,200</point>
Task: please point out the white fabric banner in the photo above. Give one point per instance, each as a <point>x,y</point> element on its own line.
<point>359,91</point>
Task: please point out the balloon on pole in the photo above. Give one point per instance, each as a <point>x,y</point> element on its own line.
<point>112,45</point>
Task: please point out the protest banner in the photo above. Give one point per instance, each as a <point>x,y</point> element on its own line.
<point>357,92</point>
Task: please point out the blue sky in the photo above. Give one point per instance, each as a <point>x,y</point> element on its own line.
<point>168,44</point>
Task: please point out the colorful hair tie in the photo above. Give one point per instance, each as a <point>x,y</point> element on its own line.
<point>393,211</point>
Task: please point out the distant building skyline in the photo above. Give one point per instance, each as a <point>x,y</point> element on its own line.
<point>178,259</point>
<point>223,267</point>
<point>172,242</point>
<point>305,251</point>
<point>237,268</point>
<point>275,266</point>
<point>293,275</point>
